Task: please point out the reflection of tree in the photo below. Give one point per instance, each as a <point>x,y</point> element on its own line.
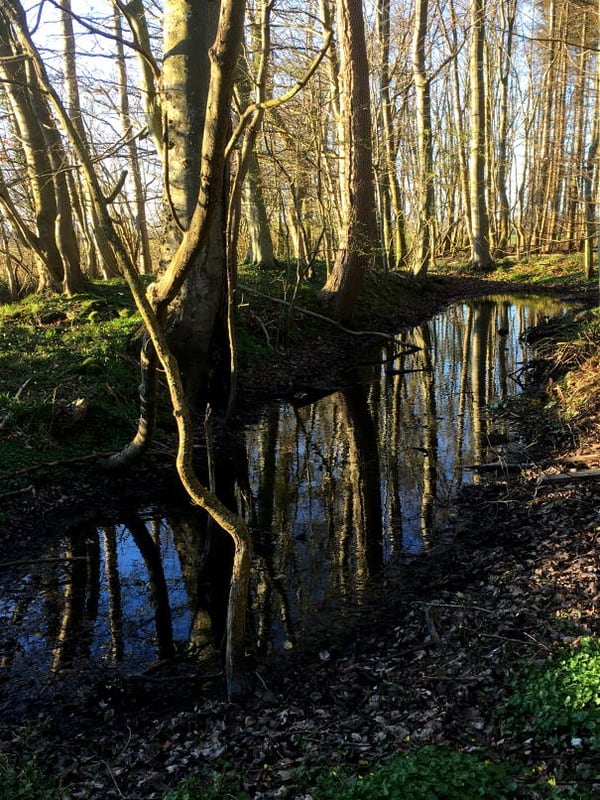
<point>270,586</point>
<point>422,337</point>
<point>193,541</point>
<point>92,552</point>
<point>464,386</point>
<point>73,638</point>
<point>502,329</point>
<point>481,352</point>
<point>389,425</point>
<point>363,484</point>
<point>157,584</point>
<point>115,605</point>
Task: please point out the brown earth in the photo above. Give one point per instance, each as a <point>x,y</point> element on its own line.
<point>517,573</point>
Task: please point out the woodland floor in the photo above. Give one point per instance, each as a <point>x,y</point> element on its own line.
<point>496,591</point>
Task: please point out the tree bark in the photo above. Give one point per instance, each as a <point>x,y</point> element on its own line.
<point>359,227</point>
<point>424,246</point>
<point>480,237</point>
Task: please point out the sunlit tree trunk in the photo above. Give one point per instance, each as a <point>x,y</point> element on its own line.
<point>260,241</point>
<point>100,257</point>
<point>424,245</point>
<point>590,211</point>
<point>458,120</point>
<point>480,238</point>
<point>252,89</point>
<point>139,195</point>
<point>19,88</point>
<point>189,31</point>
<point>392,214</point>
<point>542,172</point>
<point>359,227</point>
<point>503,160</point>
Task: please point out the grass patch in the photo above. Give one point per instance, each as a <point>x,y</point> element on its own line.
<point>426,774</point>
<point>68,375</point>
<point>541,270</point>
<point>26,783</point>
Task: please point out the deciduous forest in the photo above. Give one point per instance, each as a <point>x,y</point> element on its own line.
<point>299,399</point>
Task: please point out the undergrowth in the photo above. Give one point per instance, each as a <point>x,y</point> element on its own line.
<point>26,783</point>
<point>69,375</point>
<point>559,698</point>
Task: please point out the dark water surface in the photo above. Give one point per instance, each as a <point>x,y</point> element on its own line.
<point>336,492</point>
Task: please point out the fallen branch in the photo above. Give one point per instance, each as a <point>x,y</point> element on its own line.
<point>389,336</point>
<point>463,607</point>
<point>567,477</point>
<point>14,492</point>
<point>496,465</point>
<point>583,458</point>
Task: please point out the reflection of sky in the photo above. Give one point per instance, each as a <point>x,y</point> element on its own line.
<point>139,629</point>
<point>312,551</point>
<point>312,458</point>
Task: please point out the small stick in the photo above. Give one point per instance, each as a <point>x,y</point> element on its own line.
<point>23,561</point>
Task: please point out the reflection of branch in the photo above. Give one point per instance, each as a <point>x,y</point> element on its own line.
<point>23,561</point>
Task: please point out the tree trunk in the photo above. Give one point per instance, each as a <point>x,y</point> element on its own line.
<point>503,162</point>
<point>139,194</point>
<point>424,246</point>
<point>20,85</point>
<point>189,31</point>
<point>359,227</point>
<point>260,245</point>
<point>480,238</point>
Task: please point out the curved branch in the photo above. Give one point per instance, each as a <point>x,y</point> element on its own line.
<point>274,102</point>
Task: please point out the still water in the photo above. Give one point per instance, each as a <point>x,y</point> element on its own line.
<point>336,492</point>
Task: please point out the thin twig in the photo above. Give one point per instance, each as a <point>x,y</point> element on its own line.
<point>23,561</point>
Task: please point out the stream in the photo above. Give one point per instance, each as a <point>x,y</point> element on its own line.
<point>336,492</point>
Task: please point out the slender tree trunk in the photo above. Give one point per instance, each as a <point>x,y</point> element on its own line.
<point>260,250</point>
<point>392,213</point>
<point>503,162</point>
<point>139,194</point>
<point>480,238</point>
<point>591,224</point>
<point>424,246</point>
<point>459,128</point>
<point>20,86</point>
